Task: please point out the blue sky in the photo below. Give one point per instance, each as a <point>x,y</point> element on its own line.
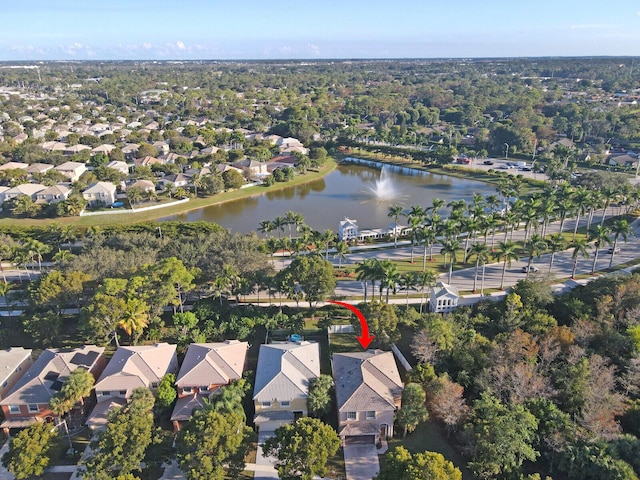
<point>307,29</point>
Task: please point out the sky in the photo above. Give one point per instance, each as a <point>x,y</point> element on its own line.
<point>309,29</point>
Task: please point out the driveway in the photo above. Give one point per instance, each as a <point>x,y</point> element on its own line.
<point>264,465</point>
<point>361,461</point>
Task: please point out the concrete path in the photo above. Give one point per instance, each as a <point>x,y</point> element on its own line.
<point>264,469</point>
<point>361,462</point>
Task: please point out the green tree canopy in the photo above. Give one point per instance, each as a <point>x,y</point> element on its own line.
<point>399,464</point>
<point>29,451</point>
<point>75,388</point>
<point>302,449</point>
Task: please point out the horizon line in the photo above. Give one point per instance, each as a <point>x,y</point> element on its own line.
<point>327,59</point>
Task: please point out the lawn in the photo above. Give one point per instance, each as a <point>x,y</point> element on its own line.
<point>429,436</point>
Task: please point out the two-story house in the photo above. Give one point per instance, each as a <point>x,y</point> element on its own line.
<point>368,393</point>
<point>131,367</point>
<point>100,193</point>
<point>28,400</point>
<point>14,362</point>
<point>72,170</point>
<point>282,382</point>
<point>206,367</point>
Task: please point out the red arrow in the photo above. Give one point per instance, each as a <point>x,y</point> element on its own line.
<point>364,339</point>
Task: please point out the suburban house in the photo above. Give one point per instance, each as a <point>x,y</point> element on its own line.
<point>146,161</point>
<point>129,368</point>
<point>29,189</point>
<point>100,193</point>
<point>39,168</point>
<point>251,167</point>
<point>206,367</point>
<point>53,194</point>
<point>623,160</point>
<point>73,149</point>
<point>14,362</point>
<point>118,166</point>
<point>282,382</point>
<point>348,229</point>
<point>175,180</point>
<point>72,170</point>
<point>368,393</point>
<point>14,166</point>
<point>444,298</point>
<point>105,148</point>
<point>28,400</point>
<point>144,185</point>
<point>136,366</point>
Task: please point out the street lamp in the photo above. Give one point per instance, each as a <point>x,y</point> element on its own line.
<point>506,155</point>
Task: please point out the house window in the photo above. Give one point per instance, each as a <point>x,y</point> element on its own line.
<point>351,415</point>
<point>4,384</point>
<point>266,404</point>
<point>371,415</point>
<point>187,390</point>
<point>106,394</point>
<point>33,407</point>
<point>154,384</point>
<point>285,403</point>
<point>14,408</point>
<point>122,392</point>
<point>204,389</point>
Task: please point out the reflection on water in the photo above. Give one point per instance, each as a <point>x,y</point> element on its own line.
<point>326,201</point>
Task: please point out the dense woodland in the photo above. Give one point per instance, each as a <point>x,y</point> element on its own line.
<point>536,385</point>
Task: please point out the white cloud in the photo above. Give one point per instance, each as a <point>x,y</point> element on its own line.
<point>314,49</point>
<point>147,45</point>
<point>180,45</point>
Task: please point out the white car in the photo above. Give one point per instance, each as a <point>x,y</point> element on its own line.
<point>531,268</point>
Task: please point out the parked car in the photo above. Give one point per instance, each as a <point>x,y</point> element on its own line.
<point>526,169</point>
<point>528,268</point>
<point>488,162</point>
<point>611,251</point>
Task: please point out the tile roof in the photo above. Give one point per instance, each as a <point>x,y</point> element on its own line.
<point>212,363</point>
<point>47,374</point>
<point>139,366</point>
<point>285,369</point>
<point>366,380</point>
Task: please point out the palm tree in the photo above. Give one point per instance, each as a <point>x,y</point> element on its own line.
<point>407,282</point>
<point>135,318</point>
<point>581,198</point>
<point>619,228</point>
<point>481,252</point>
<point>266,227</point>
<point>608,193</point>
<point>555,243</point>
<point>436,205</point>
<point>390,277</point>
<point>279,224</point>
<point>416,217</point>
<point>507,252</point>
<point>364,273</point>
<point>580,249</point>
<point>425,279</point>
<point>293,218</point>
<point>342,250</point>
<point>600,236</point>
<point>449,248</point>
<point>428,236</point>
<point>394,212</point>
<point>536,247</point>
<point>35,250</point>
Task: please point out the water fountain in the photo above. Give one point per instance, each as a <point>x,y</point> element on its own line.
<point>383,189</point>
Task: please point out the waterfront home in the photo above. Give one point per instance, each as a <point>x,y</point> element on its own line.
<point>206,368</point>
<point>368,393</point>
<point>282,382</point>
<point>347,229</point>
<point>28,401</point>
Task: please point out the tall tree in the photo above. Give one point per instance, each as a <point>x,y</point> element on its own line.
<point>319,400</point>
<point>394,211</point>
<point>507,253</point>
<point>302,449</point>
<point>413,410</point>
<point>399,464</point>
<point>620,229</point>
<point>76,388</point>
<point>580,249</point>
<point>30,451</point>
<point>482,254</point>
<point>122,446</point>
<point>600,236</point>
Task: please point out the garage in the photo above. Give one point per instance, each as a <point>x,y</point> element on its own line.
<point>360,440</point>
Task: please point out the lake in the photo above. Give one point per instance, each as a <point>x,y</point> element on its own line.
<point>346,191</point>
